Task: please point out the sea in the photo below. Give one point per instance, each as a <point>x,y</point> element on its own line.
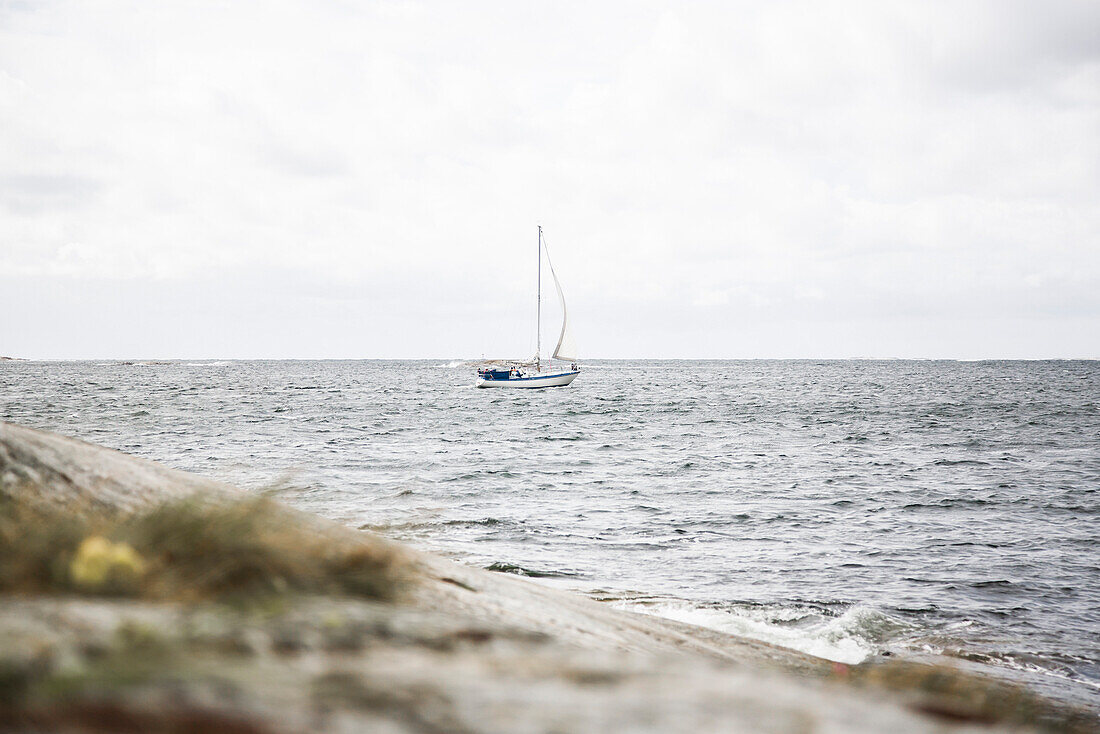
<point>848,509</point>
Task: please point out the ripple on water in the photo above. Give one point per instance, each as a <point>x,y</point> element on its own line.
<point>919,494</point>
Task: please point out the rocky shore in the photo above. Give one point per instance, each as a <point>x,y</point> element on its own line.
<point>134,597</point>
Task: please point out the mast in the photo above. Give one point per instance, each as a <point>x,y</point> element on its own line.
<point>538,308</point>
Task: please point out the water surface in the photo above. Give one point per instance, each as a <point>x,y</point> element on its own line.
<point>845,508</point>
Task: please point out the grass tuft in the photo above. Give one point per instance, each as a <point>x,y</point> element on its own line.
<point>190,551</point>
<point>37,546</point>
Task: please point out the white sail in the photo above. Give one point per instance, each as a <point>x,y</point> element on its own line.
<point>565,348</point>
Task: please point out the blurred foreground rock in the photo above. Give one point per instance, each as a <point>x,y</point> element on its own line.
<point>464,650</point>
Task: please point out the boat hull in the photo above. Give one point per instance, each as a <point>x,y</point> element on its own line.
<point>558,379</point>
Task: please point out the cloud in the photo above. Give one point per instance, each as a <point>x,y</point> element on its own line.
<point>716,164</point>
<point>30,195</point>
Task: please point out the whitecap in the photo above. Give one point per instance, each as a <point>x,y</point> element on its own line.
<point>849,638</point>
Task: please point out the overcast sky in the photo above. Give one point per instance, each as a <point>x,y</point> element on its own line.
<point>364,179</point>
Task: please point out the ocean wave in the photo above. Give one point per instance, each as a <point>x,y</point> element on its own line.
<point>502,567</point>
<point>851,637</point>
<point>432,523</point>
<point>486,521</point>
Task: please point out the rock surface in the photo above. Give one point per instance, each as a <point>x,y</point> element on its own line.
<point>466,650</point>
<point>67,472</point>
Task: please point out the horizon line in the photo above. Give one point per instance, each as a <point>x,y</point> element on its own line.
<point>579,361</point>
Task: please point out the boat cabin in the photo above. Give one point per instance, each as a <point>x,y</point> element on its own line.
<point>497,373</point>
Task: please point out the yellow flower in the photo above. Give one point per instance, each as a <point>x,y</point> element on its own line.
<point>100,565</point>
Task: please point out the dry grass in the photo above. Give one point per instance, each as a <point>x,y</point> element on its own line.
<point>36,546</point>
<point>190,551</point>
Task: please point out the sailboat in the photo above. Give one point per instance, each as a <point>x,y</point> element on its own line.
<point>531,374</point>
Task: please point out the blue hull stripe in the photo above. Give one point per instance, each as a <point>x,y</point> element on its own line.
<point>540,377</point>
